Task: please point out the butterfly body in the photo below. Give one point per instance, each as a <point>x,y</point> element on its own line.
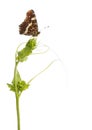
<point>29,26</point>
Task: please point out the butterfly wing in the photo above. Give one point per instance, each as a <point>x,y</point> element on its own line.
<point>29,26</point>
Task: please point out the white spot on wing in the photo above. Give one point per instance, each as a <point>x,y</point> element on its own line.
<point>34,18</point>
<point>27,28</point>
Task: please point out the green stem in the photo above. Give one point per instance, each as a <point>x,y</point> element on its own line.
<point>16,93</point>
<point>17,98</point>
<point>18,112</point>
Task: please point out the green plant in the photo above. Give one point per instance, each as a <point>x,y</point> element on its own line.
<point>18,85</point>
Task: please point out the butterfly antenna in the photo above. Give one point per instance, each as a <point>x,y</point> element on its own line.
<point>43,29</point>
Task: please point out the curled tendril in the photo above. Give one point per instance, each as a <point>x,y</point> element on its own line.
<point>37,49</point>
<point>42,71</point>
<point>41,52</point>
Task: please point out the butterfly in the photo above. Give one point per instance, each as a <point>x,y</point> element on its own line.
<point>29,26</point>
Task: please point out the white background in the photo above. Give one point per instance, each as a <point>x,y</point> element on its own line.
<point>60,98</point>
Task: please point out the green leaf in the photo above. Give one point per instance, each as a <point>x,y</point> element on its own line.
<point>27,50</point>
<point>22,85</point>
<point>12,88</point>
<point>12,85</point>
<point>17,77</point>
<point>31,44</point>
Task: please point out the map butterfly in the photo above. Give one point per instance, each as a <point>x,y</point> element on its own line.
<point>29,26</point>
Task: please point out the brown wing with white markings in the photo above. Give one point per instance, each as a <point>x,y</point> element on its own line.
<point>29,26</point>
